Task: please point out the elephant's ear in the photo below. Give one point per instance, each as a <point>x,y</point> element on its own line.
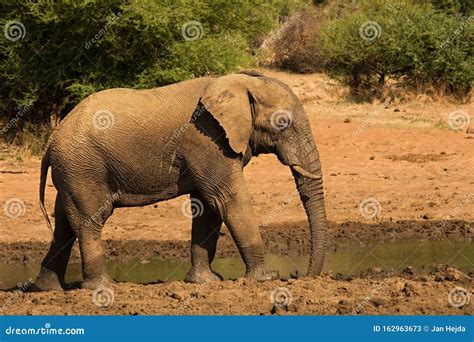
<point>227,99</point>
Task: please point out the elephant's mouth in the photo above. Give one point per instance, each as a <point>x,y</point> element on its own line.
<point>302,172</point>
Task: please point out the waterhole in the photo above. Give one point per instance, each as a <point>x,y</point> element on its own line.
<point>351,259</point>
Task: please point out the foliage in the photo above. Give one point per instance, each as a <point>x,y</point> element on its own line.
<point>72,48</point>
<point>365,42</point>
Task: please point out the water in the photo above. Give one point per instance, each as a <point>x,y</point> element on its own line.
<point>351,258</point>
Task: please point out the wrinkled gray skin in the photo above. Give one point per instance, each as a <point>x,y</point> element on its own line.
<point>193,137</point>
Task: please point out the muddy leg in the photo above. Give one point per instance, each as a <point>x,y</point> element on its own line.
<point>53,267</point>
<point>87,215</point>
<point>205,233</point>
<point>240,219</point>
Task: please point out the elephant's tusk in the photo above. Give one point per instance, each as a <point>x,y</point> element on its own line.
<point>305,173</point>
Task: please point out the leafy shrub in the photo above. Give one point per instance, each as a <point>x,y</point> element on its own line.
<point>402,40</point>
<point>73,48</point>
<point>454,7</point>
<point>364,43</point>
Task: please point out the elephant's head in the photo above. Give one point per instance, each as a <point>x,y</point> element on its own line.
<point>262,115</point>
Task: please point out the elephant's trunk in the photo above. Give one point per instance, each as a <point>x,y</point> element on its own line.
<point>309,183</point>
<point>312,196</point>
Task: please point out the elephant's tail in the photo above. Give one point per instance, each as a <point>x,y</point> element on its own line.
<point>43,177</point>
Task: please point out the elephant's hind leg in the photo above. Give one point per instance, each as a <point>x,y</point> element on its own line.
<point>87,214</point>
<point>53,267</point>
<point>205,233</point>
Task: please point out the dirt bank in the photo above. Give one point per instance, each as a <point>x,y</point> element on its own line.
<point>408,293</point>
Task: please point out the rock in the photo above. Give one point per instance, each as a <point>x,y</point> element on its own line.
<point>399,286</point>
<point>372,158</point>
<point>347,120</point>
<point>408,270</point>
<point>408,290</point>
<point>343,308</point>
<point>295,275</point>
<point>340,276</point>
<point>173,295</point>
<point>293,308</point>
<point>454,274</point>
<point>377,301</point>
<point>197,295</point>
<point>377,269</point>
<point>278,310</point>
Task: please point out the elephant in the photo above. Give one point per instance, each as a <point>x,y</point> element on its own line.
<point>133,147</point>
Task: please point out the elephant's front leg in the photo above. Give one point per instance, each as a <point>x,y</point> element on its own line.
<point>205,233</point>
<point>239,217</point>
<point>221,183</point>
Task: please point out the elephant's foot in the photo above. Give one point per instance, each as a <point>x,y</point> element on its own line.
<point>47,280</point>
<point>199,276</point>
<point>93,283</point>
<point>260,274</point>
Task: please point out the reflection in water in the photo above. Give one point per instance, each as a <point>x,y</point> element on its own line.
<point>351,258</point>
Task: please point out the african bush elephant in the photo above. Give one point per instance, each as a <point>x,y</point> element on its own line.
<point>124,148</point>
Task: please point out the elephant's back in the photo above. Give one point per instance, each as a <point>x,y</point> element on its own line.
<point>126,128</point>
<point>125,115</point>
<point>127,106</point>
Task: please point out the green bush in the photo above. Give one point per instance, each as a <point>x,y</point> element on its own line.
<point>454,7</point>
<point>372,40</point>
<point>424,44</point>
<point>72,48</point>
